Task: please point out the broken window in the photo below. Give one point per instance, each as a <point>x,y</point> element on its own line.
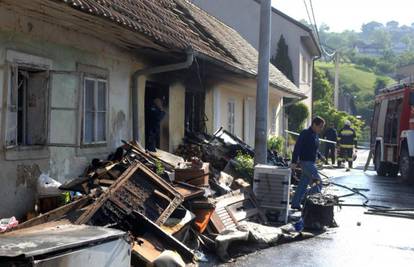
<point>95,111</point>
<point>230,113</point>
<point>27,107</point>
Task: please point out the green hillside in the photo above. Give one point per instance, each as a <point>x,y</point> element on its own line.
<point>350,74</point>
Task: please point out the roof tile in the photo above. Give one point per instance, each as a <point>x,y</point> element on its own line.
<point>179,25</point>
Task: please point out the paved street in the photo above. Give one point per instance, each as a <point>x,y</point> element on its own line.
<point>360,239</point>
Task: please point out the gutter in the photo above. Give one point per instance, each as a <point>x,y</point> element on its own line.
<point>247,74</point>
<point>148,71</point>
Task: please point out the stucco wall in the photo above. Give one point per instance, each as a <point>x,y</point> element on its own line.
<point>218,98</point>
<point>177,115</point>
<point>64,49</point>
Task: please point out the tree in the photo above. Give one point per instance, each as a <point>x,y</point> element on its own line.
<point>369,27</point>
<point>322,89</point>
<point>381,37</point>
<point>392,24</point>
<point>297,114</point>
<point>380,83</point>
<point>282,60</point>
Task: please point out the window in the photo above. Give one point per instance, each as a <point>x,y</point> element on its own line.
<point>27,110</point>
<point>392,121</point>
<point>230,114</point>
<point>95,111</point>
<point>304,71</point>
<point>273,122</point>
<point>374,123</point>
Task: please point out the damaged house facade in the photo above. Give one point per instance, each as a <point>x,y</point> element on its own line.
<point>77,77</point>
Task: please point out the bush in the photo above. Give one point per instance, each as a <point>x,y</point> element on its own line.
<point>276,143</point>
<point>159,168</point>
<point>332,115</point>
<point>244,165</point>
<point>297,115</point>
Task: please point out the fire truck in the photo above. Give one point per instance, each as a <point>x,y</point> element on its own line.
<point>392,132</point>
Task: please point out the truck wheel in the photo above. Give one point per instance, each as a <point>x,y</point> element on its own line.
<point>406,165</point>
<point>379,165</point>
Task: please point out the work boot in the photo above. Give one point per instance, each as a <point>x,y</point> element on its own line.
<point>348,170</point>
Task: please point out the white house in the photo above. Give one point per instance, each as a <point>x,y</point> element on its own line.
<point>244,15</point>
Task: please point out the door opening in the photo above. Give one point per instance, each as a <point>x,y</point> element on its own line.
<point>156,118</point>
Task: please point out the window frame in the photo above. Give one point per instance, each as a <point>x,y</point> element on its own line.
<point>96,80</point>
<point>231,116</point>
<point>13,60</point>
<point>304,66</point>
<point>24,67</point>
<point>273,121</point>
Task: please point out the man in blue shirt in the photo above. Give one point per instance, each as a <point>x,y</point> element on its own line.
<point>305,153</point>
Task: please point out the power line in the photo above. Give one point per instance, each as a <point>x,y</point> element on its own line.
<point>315,28</point>
<point>314,21</point>
<point>330,55</point>
<point>307,11</point>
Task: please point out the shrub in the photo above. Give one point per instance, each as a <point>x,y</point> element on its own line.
<point>297,115</point>
<point>244,165</point>
<point>276,143</point>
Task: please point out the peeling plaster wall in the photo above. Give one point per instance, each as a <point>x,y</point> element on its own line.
<point>65,49</point>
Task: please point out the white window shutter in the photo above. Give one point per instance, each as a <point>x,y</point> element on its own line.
<point>64,108</point>
<point>11,113</point>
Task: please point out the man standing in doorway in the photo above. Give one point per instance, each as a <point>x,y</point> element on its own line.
<point>305,153</point>
<point>330,148</point>
<point>156,114</point>
<point>346,140</point>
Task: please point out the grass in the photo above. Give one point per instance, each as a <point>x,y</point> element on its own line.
<point>352,74</point>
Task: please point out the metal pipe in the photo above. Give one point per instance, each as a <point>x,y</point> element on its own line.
<point>148,71</point>
<point>262,96</point>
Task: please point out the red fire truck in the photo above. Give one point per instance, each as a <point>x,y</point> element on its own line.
<point>392,132</point>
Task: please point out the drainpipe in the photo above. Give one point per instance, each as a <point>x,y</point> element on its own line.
<point>148,71</point>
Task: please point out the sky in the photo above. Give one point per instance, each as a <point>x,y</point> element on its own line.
<point>342,15</point>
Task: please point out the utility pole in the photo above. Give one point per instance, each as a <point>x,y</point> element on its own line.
<point>336,92</point>
<point>262,95</point>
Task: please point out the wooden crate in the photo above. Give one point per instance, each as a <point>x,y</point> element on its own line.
<point>197,177</point>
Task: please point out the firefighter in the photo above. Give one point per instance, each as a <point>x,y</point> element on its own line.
<point>346,141</point>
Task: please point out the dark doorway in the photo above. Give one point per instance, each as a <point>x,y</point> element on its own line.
<point>155,90</point>
<point>195,119</point>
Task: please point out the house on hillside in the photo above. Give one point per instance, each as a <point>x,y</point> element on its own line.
<point>244,17</point>
<point>77,77</point>
<point>405,74</point>
<point>375,50</point>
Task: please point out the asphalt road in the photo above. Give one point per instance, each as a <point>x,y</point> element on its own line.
<point>360,239</point>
